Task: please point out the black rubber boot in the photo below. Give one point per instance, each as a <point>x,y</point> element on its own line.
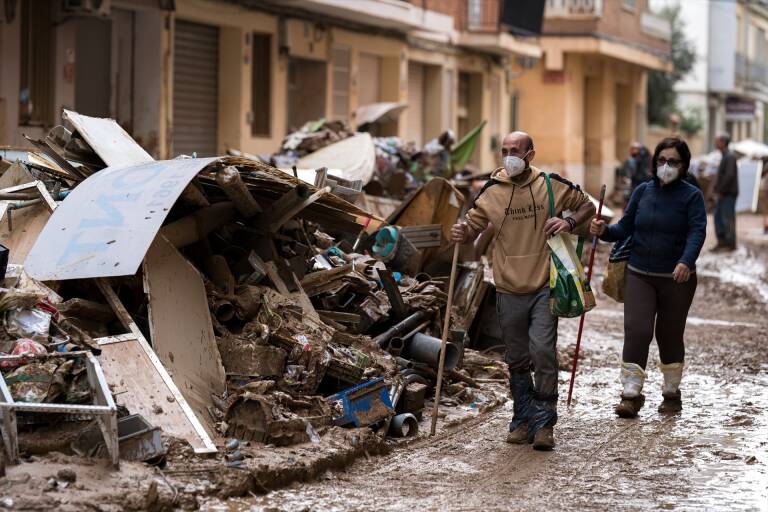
<point>671,404</point>
<point>629,407</point>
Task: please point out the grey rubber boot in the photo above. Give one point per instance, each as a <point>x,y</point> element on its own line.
<point>673,374</point>
<point>632,379</point>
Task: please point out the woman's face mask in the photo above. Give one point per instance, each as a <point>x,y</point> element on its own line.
<point>514,165</point>
<point>666,174</point>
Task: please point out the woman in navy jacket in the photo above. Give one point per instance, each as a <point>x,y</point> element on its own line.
<point>667,221</point>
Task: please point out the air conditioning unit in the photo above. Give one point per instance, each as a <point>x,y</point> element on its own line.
<point>100,8</point>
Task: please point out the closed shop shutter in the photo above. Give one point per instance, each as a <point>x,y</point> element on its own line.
<point>415,103</point>
<point>195,89</point>
<point>368,79</point>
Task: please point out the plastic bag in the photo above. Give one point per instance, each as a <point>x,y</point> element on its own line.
<point>28,323</point>
<point>21,347</point>
<point>569,292</point>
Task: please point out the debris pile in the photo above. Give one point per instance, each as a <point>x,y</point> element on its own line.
<point>223,298</point>
<point>394,168</point>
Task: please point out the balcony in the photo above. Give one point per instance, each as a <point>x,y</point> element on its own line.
<point>574,9</point>
<point>751,72</point>
<point>656,26</point>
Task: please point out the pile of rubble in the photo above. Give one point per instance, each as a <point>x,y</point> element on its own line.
<point>398,168</point>
<point>219,298</point>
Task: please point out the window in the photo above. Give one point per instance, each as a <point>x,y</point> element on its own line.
<point>341,65</point>
<point>514,111</point>
<point>261,85</point>
<point>630,4</point>
<point>475,14</point>
<point>37,61</point>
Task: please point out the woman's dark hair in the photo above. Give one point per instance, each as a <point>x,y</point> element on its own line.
<point>682,149</point>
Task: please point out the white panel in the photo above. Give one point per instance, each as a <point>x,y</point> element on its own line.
<point>722,45</point>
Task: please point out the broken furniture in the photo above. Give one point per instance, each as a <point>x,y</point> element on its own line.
<point>103,408</point>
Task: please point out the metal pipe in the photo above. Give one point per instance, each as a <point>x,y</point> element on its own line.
<point>396,346</point>
<point>233,186</point>
<point>401,328</point>
<point>404,425</point>
<point>224,310</point>
<point>426,349</point>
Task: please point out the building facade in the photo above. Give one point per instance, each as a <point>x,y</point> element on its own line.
<point>204,76</point>
<point>585,100</point>
<point>728,86</point>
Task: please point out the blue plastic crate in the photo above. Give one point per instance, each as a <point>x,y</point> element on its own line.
<point>364,404</point>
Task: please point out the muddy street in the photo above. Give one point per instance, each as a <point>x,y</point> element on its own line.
<point>713,456</point>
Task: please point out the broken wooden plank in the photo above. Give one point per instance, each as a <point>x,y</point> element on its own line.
<point>323,277</point>
<point>108,139</point>
<point>281,216</point>
<point>136,366</point>
<point>339,316</point>
<point>181,327</point>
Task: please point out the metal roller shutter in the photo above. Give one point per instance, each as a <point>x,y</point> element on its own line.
<point>195,89</point>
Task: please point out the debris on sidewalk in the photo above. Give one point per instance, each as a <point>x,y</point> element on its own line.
<point>223,298</point>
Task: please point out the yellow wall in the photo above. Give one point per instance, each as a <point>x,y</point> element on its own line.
<point>309,40</point>
<point>580,120</point>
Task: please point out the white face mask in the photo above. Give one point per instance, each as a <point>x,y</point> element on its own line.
<point>514,165</point>
<point>666,174</point>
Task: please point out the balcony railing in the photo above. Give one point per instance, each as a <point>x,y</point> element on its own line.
<point>751,72</point>
<point>656,26</point>
<point>574,9</point>
<point>483,15</point>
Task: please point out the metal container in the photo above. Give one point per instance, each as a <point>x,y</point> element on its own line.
<point>426,349</point>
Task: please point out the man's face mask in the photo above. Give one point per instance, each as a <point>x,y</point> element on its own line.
<point>514,165</point>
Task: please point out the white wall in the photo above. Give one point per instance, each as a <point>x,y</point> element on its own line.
<point>695,16</point>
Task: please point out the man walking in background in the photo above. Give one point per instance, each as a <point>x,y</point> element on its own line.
<point>726,191</point>
<point>515,202</point>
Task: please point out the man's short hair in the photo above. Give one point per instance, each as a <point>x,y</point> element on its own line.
<point>725,137</point>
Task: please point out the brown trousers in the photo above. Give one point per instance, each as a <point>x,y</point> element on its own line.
<point>657,304</point>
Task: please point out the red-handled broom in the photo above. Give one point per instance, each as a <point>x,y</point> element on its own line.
<point>589,280</point>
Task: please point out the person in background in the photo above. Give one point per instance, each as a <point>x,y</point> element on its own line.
<point>668,222</point>
<point>513,206</point>
<point>726,191</point>
<point>638,166</point>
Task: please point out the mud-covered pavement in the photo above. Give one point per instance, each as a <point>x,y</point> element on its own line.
<point>713,456</point>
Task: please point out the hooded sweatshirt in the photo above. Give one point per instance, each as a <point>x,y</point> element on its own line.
<point>518,211</point>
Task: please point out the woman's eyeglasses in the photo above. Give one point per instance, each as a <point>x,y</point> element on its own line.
<point>672,162</point>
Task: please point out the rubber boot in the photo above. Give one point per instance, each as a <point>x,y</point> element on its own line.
<point>632,379</point>
<point>543,418</point>
<point>521,388</point>
<point>673,374</point>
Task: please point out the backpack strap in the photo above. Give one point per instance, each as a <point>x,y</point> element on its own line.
<point>550,194</point>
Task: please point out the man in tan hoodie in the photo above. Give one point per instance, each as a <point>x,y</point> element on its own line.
<point>515,203</point>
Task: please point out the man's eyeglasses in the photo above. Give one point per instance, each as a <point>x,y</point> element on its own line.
<point>672,162</point>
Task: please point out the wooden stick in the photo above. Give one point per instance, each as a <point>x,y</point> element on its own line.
<point>443,345</point>
<point>581,320</point>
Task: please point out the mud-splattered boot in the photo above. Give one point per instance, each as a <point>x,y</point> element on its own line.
<point>519,435</point>
<point>544,439</point>
<point>521,389</point>
<point>673,374</point>
<point>543,418</point>
<point>632,379</point>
